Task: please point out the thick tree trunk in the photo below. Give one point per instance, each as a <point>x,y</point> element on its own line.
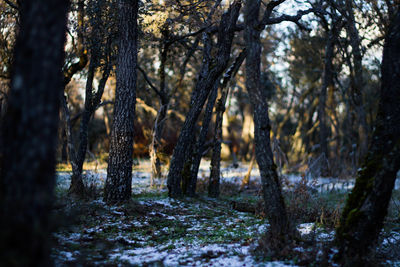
<point>208,75</point>
<point>29,134</point>
<point>366,207</point>
<point>119,171</point>
<point>272,192</point>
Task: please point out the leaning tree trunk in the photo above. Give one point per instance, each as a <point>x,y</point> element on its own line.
<point>366,207</point>
<point>272,192</point>
<point>199,148</point>
<point>92,101</point>
<point>29,134</point>
<point>119,171</point>
<point>204,85</point>
<point>213,187</point>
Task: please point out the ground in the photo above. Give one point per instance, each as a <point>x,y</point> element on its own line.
<point>154,230</point>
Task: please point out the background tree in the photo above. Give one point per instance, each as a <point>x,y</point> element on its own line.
<point>366,206</point>
<point>211,70</point>
<point>119,171</point>
<point>27,175</point>
<point>100,45</point>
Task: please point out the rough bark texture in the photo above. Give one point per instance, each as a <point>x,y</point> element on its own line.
<point>366,207</point>
<point>272,192</point>
<point>199,148</point>
<point>208,75</point>
<point>29,134</point>
<point>119,171</point>
<point>213,187</point>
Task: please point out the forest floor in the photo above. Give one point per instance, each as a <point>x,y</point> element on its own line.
<point>154,230</point>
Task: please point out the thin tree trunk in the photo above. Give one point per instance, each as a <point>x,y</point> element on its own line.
<point>326,83</point>
<point>29,134</point>
<point>199,148</point>
<point>204,85</point>
<point>367,204</point>
<point>246,178</point>
<point>213,187</point>
<point>119,171</point>
<point>357,80</point>
<point>272,192</point>
<point>91,103</point>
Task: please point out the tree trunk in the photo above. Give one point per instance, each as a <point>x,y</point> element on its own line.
<point>357,81</point>
<point>367,204</point>
<point>213,187</point>
<point>208,75</point>
<point>91,103</point>
<point>199,148</point>
<point>272,192</point>
<point>326,83</point>
<point>164,104</point>
<point>29,134</point>
<point>119,171</point>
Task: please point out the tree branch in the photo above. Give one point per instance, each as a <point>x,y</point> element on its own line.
<point>11,4</point>
<point>295,18</point>
<point>156,90</point>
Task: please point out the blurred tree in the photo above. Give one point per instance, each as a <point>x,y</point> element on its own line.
<point>29,134</point>
<point>366,206</point>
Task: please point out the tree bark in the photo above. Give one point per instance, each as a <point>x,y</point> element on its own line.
<point>272,192</point>
<point>213,187</point>
<point>366,206</point>
<point>199,148</point>
<point>30,133</point>
<point>119,171</point>
<point>208,75</point>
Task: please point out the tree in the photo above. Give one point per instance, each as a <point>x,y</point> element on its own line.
<point>119,171</point>
<point>332,31</point>
<point>211,70</point>
<point>213,187</point>
<point>366,206</point>
<point>100,47</point>
<point>29,134</point>
<point>281,231</point>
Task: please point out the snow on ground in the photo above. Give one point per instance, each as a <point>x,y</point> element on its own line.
<point>161,232</point>
<point>155,230</point>
<point>141,178</point>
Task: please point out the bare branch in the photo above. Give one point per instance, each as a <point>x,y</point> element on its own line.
<point>295,18</point>
<point>156,90</point>
<point>11,4</point>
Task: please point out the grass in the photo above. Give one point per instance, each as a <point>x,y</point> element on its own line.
<point>92,233</point>
<point>150,219</point>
